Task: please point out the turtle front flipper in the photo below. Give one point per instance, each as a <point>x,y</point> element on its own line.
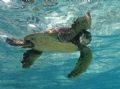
<point>83,62</point>
<point>29,57</point>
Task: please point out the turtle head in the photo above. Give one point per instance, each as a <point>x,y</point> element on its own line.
<point>82,23</point>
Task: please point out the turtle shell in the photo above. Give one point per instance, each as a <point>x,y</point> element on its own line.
<point>50,42</point>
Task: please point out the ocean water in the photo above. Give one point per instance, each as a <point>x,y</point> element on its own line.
<point>18,19</point>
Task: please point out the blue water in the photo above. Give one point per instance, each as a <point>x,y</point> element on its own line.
<point>18,19</point>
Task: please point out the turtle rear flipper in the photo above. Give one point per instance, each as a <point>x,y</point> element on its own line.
<point>15,42</point>
<point>83,62</point>
<point>29,57</point>
<point>19,42</point>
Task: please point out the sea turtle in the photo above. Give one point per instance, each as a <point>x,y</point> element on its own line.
<point>62,40</point>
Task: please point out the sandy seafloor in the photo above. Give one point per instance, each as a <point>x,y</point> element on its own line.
<point>18,19</point>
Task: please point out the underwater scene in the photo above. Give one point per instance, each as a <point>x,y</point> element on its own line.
<point>99,34</point>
